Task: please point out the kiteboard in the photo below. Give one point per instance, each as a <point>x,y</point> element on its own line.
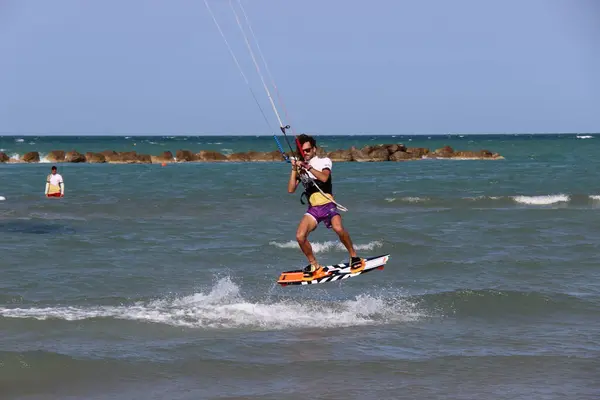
<point>335,272</point>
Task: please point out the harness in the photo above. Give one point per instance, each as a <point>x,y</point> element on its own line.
<point>312,186</point>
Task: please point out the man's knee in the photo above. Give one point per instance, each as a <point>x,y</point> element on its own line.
<point>339,229</point>
<point>301,236</point>
<point>336,225</point>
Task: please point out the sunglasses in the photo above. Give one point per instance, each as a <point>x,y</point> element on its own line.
<point>307,149</point>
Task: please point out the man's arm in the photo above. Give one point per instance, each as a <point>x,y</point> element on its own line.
<point>325,169</point>
<point>320,175</point>
<point>293,182</point>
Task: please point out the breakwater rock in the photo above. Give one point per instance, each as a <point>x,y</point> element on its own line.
<point>377,153</point>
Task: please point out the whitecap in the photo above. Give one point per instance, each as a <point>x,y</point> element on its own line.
<point>223,307</point>
<point>542,200</point>
<point>321,247</point>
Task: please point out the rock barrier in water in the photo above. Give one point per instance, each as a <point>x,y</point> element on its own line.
<point>377,153</point>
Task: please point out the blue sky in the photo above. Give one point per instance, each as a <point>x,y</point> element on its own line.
<point>342,67</point>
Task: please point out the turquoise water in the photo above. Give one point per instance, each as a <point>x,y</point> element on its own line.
<point>158,282</point>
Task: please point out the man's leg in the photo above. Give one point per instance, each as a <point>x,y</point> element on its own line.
<point>307,224</point>
<point>356,263</point>
<point>336,225</point>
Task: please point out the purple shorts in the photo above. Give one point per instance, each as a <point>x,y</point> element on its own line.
<point>323,213</point>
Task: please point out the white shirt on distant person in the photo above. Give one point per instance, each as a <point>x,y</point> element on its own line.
<point>55,179</point>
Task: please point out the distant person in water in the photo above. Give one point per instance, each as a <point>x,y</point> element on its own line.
<point>55,187</point>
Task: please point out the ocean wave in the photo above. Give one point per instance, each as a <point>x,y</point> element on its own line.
<point>322,247</point>
<point>408,199</point>
<point>11,299</point>
<point>56,216</point>
<point>489,303</point>
<point>560,199</point>
<point>584,137</point>
<point>44,158</point>
<point>224,307</point>
<point>18,360</point>
<point>542,200</point>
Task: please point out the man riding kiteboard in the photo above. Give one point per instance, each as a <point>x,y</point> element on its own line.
<point>315,174</point>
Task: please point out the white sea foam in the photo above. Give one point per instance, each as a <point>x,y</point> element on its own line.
<point>2,198</point>
<point>542,200</point>
<point>321,247</point>
<point>479,198</point>
<point>408,199</point>
<point>595,197</point>
<point>584,137</point>
<point>224,307</point>
<point>475,198</point>
<point>19,140</point>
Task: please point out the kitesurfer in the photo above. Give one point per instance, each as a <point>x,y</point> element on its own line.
<point>315,174</point>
